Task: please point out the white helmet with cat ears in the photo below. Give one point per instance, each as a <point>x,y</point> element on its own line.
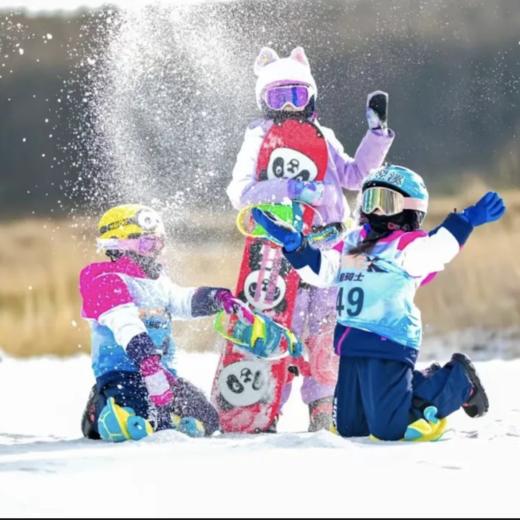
<point>273,70</point>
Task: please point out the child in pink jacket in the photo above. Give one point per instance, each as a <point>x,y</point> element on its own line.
<point>130,303</point>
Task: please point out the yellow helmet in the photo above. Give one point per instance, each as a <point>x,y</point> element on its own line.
<point>120,226</point>
<point>130,221</point>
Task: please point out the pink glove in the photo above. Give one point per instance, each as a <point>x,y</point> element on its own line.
<point>231,305</point>
<point>226,300</point>
<point>157,381</point>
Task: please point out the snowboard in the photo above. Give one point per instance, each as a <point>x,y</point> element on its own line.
<point>247,389</point>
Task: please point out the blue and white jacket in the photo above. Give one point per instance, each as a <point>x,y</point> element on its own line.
<point>122,302</point>
<point>376,313</point>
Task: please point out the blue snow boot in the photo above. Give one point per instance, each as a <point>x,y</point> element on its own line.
<point>188,425</point>
<point>117,424</point>
<point>427,429</point>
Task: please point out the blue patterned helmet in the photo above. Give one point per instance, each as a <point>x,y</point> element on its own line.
<point>404,181</point>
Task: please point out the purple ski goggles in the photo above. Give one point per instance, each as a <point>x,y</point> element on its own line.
<point>277,97</point>
<point>145,245</point>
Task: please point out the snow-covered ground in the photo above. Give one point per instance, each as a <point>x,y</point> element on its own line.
<point>47,469</point>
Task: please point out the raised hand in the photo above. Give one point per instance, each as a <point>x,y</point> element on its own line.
<point>377,110</point>
<point>488,209</point>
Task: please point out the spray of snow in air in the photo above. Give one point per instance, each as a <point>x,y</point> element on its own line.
<point>171,93</point>
<point>172,84</point>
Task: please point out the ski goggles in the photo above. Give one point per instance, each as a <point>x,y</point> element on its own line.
<point>145,245</point>
<point>388,201</point>
<point>296,95</point>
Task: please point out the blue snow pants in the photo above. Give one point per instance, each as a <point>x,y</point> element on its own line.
<point>382,397</point>
<point>128,389</point>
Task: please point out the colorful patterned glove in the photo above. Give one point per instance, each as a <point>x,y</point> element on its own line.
<point>488,209</point>
<point>308,192</point>
<point>157,381</point>
<point>278,229</point>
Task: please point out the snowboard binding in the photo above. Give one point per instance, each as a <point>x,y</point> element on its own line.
<point>289,213</point>
<point>257,334</point>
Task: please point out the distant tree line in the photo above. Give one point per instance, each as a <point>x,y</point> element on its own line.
<point>452,69</point>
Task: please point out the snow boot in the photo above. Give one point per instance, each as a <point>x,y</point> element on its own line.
<point>320,415</point>
<point>190,426</point>
<point>89,419</point>
<point>477,404</point>
<point>427,429</point>
<point>273,427</point>
<point>117,423</point>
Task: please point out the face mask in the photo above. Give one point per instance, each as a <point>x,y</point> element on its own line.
<point>379,223</point>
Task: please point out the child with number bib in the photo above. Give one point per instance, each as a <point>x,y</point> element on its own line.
<point>286,89</point>
<point>378,269</point>
<point>130,303</point>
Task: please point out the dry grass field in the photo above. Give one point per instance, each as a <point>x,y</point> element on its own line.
<point>41,258</point>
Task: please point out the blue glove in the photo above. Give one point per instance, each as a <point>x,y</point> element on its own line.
<point>278,229</point>
<point>488,209</point>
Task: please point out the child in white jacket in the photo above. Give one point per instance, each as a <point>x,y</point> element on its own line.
<point>378,269</point>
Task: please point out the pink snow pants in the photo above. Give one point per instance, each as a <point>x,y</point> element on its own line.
<point>313,322</point>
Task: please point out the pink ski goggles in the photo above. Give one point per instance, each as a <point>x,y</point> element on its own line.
<point>277,97</point>
<point>145,245</point>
